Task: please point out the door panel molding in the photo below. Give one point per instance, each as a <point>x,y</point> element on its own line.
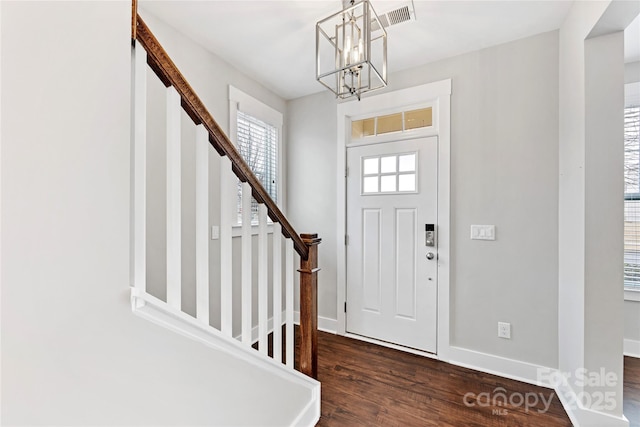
<point>407,227</point>
<point>371,277</point>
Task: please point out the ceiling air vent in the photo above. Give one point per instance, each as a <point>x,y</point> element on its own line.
<point>396,16</point>
<point>399,15</point>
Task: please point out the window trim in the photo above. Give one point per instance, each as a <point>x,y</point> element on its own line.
<point>241,101</point>
<point>631,294</point>
<point>632,99</point>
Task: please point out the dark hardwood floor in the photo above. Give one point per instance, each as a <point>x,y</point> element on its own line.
<point>367,385</point>
<point>631,406</point>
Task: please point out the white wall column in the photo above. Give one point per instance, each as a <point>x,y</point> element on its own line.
<point>590,303</point>
<point>604,219</point>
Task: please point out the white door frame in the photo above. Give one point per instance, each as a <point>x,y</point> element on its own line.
<point>437,94</point>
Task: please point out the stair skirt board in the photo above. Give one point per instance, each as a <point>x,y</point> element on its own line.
<point>157,311</point>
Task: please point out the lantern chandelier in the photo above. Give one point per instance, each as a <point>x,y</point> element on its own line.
<point>351,50</point>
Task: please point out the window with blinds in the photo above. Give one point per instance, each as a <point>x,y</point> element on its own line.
<point>632,196</point>
<point>258,145</point>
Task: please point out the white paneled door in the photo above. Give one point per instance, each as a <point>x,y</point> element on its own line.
<point>391,266</point>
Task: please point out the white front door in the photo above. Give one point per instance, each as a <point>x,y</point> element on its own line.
<point>391,282</point>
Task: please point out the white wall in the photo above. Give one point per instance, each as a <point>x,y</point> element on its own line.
<point>311,167</point>
<point>504,171</point>
<point>210,77</point>
<point>72,351</point>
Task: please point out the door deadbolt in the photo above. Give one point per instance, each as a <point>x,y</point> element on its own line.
<point>430,234</point>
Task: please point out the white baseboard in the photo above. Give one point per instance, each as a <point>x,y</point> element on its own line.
<point>501,366</point>
<point>530,373</point>
<point>585,417</point>
<point>631,348</point>
<point>325,324</point>
<point>255,331</point>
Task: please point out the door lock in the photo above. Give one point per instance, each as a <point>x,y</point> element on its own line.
<point>430,234</point>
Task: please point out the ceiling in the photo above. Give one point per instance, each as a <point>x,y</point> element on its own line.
<point>274,41</point>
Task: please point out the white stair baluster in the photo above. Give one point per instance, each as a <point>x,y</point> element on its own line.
<point>288,272</point>
<point>202,224</point>
<point>227,202</point>
<point>263,283</point>
<point>277,292</point>
<point>174,201</point>
<point>246,265</point>
<point>139,170</point>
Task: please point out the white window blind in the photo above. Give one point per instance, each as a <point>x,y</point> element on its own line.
<point>258,144</point>
<point>632,197</point>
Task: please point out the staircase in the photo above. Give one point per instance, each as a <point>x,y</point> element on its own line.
<point>273,316</point>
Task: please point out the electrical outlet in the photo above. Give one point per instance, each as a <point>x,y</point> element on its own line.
<point>504,330</point>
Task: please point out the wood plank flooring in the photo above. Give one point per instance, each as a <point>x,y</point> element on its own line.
<point>631,406</point>
<point>366,385</point>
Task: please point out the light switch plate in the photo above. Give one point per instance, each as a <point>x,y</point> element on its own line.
<point>215,232</point>
<point>483,232</point>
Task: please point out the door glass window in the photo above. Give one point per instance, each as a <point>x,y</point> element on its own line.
<point>388,164</point>
<point>370,184</point>
<point>389,174</point>
<point>407,183</point>
<point>407,163</point>
<point>371,166</point>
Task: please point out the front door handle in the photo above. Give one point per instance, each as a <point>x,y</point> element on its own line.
<point>430,256</point>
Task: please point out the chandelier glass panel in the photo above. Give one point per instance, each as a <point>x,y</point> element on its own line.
<point>351,51</point>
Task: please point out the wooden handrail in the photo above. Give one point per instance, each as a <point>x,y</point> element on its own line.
<point>166,70</point>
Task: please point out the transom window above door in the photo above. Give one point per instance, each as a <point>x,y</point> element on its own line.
<point>389,174</point>
<point>397,122</point>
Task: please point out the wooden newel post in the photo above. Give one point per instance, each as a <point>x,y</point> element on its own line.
<point>309,307</point>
